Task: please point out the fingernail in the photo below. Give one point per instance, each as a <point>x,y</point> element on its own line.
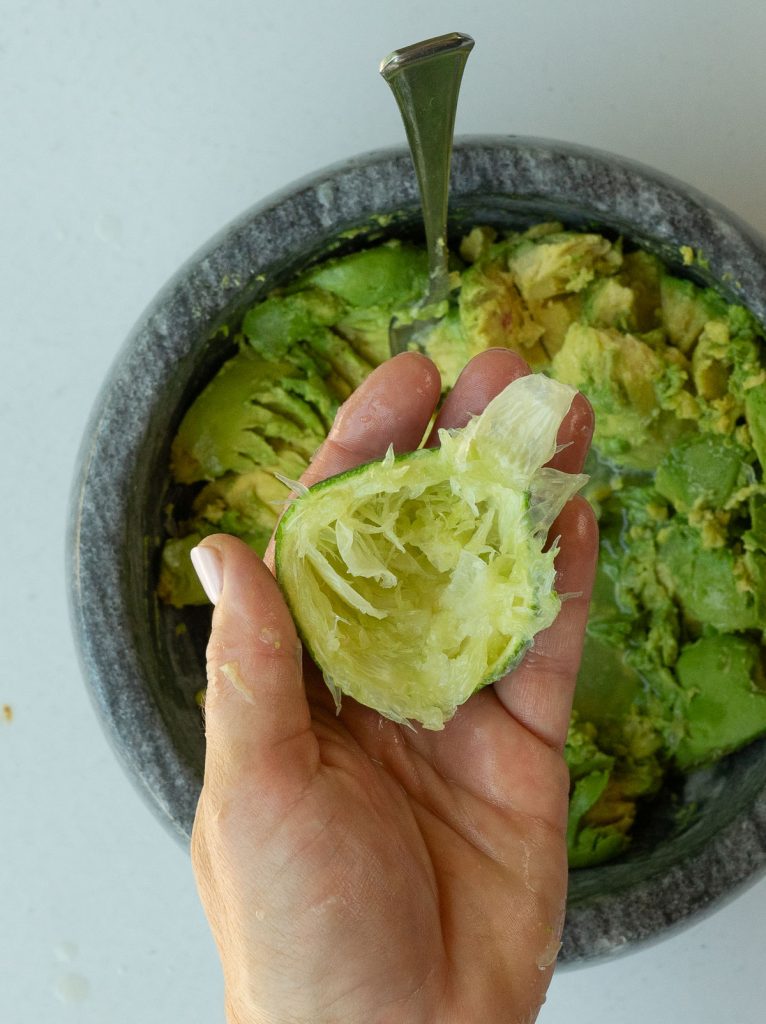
<point>207,565</point>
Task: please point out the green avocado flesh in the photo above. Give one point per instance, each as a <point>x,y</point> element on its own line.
<point>672,676</point>
<point>437,613</point>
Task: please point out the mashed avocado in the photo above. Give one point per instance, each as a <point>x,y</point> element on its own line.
<point>672,674</point>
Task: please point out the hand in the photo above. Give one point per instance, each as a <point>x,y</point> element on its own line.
<point>356,871</point>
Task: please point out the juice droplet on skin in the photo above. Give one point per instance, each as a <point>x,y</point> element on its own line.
<point>272,637</point>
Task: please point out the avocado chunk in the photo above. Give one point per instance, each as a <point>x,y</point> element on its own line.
<point>493,313</point>
<point>711,361</point>
<point>179,585</point>
<point>620,374</point>
<point>387,277</point>
<point>356,296</point>
<point>588,844</point>
<point>341,356</point>
<point>641,272</point>
<point>309,322</point>
<point>595,701</point>
<point>246,504</point>
<point>281,321</point>
<point>367,332</point>
<point>451,347</point>
<point>560,263</point>
<point>700,471</point>
<point>246,417</point>
<point>686,309</point>
<point>723,678</point>
<point>610,768</point>
<point>608,303</point>
<point>708,582</point>
<point>590,769</point>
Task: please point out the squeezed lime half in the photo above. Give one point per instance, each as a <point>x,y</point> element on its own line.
<point>416,580</point>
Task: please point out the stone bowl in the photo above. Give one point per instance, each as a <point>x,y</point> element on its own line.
<point>144,662</point>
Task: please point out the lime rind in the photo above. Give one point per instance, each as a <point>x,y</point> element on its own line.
<point>418,579</point>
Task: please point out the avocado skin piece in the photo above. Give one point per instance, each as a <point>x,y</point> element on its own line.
<point>704,580</point>
<point>701,470</point>
<point>723,678</point>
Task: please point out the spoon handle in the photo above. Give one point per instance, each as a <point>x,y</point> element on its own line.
<point>425,80</point>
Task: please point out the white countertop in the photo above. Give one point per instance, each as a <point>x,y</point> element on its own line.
<point>129,133</point>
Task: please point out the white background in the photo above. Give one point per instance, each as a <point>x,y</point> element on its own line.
<point>132,130</point>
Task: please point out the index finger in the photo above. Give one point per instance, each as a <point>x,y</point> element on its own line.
<point>392,406</point>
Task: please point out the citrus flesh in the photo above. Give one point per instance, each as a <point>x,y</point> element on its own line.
<point>418,579</point>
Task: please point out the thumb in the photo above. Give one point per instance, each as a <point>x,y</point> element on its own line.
<point>257,719</point>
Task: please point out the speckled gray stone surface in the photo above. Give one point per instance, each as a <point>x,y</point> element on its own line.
<point>144,662</point>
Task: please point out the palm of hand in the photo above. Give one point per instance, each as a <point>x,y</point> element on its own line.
<point>380,873</point>
<point>443,849</point>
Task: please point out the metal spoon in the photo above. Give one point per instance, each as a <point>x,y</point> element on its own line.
<point>425,80</point>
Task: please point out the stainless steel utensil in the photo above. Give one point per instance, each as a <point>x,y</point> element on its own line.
<point>425,80</point>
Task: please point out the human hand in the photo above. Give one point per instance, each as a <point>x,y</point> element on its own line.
<point>353,870</point>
